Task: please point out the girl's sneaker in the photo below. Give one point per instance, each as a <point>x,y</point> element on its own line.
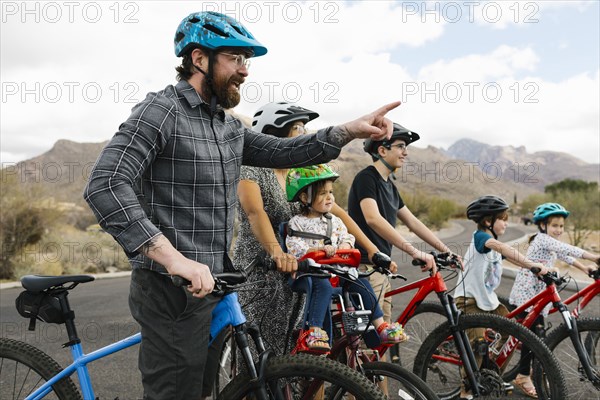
<point>391,333</point>
<point>316,340</point>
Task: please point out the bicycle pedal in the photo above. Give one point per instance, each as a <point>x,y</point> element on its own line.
<point>507,387</point>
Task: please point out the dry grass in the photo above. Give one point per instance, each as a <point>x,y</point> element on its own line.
<point>67,250</point>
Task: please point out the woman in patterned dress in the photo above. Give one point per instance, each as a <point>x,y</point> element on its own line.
<point>269,302</point>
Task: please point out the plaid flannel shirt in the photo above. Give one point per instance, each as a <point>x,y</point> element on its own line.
<point>172,169</point>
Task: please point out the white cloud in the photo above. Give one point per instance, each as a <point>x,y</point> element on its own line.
<point>340,59</point>
<point>500,15</point>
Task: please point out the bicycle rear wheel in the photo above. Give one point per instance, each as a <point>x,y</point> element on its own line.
<point>559,342</point>
<point>438,361</point>
<point>24,368</point>
<point>292,375</point>
<point>400,383</point>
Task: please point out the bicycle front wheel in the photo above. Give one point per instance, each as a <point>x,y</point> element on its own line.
<point>397,382</point>
<point>24,368</point>
<point>438,362</point>
<point>559,342</point>
<point>294,375</point>
<point>426,318</point>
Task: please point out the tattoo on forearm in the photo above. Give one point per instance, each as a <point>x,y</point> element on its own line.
<point>339,137</point>
<point>151,245</point>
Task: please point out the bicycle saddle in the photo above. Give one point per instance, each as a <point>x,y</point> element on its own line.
<point>38,283</point>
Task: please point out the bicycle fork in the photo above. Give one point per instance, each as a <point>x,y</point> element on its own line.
<point>584,358</point>
<point>462,342</point>
<point>256,372</point>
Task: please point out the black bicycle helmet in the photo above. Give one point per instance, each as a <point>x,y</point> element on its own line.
<point>278,114</point>
<point>484,206</point>
<point>370,146</point>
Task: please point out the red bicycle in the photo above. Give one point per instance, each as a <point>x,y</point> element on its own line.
<point>351,323</point>
<point>446,349</point>
<point>575,341</point>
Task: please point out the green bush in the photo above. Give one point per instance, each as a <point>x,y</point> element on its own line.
<point>581,198</point>
<point>433,211</point>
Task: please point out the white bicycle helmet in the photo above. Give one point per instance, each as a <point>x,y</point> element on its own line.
<point>278,114</point>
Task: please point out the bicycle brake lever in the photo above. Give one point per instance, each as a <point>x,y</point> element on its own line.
<point>398,276</point>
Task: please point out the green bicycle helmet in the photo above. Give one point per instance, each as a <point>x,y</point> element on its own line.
<point>546,210</point>
<point>299,179</point>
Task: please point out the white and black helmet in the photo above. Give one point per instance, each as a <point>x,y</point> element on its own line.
<point>278,114</point>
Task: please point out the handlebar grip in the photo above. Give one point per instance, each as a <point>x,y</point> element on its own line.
<point>418,263</point>
<point>304,266</point>
<point>535,270</point>
<point>179,281</point>
<point>382,260</point>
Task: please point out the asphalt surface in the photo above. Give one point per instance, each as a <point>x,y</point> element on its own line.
<point>102,317</point>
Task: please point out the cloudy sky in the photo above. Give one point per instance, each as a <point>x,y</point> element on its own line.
<point>504,73</point>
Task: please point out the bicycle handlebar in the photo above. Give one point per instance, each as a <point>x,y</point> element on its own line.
<point>442,261</point>
<point>551,278</point>
<point>225,282</point>
<point>381,264</point>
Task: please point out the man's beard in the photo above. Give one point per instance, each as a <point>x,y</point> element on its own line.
<point>227,95</point>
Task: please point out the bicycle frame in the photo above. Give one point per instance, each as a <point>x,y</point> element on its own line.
<point>586,295</point>
<point>227,312</point>
<point>80,365</point>
<point>435,283</point>
<point>551,295</point>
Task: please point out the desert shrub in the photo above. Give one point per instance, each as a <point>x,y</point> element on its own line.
<point>25,218</point>
<point>433,211</point>
<point>581,198</point>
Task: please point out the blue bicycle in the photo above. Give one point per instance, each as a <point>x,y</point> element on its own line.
<point>28,373</point>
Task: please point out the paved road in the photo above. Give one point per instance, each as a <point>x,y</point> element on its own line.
<point>102,317</point>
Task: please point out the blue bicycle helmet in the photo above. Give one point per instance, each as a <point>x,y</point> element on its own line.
<point>546,210</point>
<point>212,30</point>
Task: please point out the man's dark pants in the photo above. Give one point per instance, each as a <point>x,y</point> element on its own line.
<point>175,332</point>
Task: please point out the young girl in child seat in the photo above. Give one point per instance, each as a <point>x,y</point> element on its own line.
<point>313,187</point>
<point>545,248</point>
<point>475,292</point>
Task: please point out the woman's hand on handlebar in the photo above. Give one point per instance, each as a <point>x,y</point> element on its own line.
<point>285,262</point>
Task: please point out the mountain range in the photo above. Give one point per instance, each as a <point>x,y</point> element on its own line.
<point>466,170</point>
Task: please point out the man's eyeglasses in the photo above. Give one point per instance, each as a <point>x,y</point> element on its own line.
<point>241,60</point>
<point>400,146</point>
<point>300,128</point>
